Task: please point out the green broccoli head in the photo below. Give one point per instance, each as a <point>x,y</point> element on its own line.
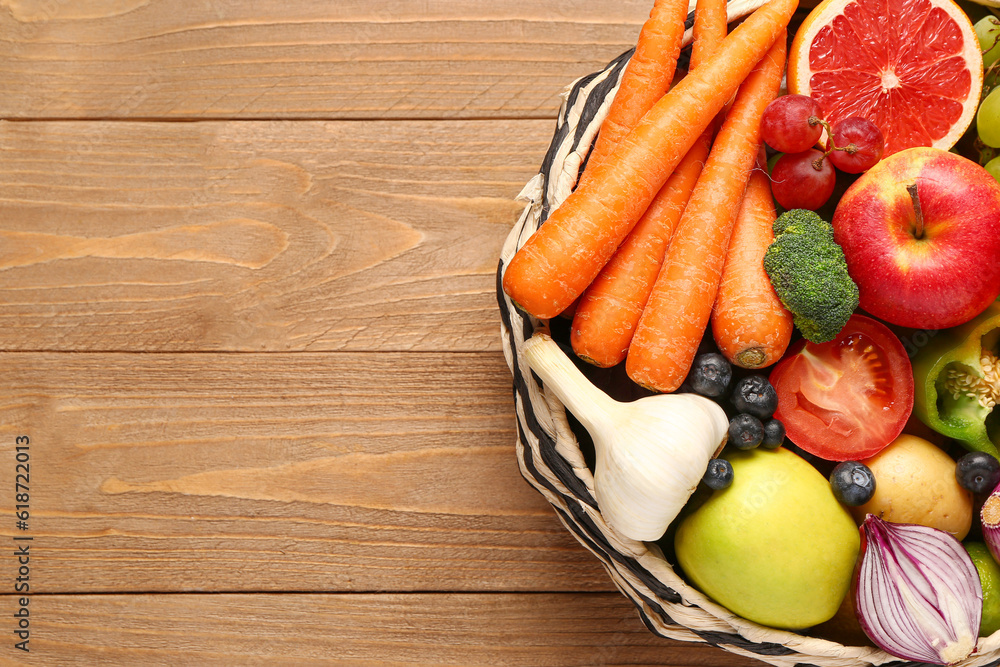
<point>809,273</point>
<point>800,216</point>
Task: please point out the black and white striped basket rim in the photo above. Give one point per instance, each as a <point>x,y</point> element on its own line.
<point>551,461</point>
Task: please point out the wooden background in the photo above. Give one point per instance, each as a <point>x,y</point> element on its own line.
<point>247,255</point>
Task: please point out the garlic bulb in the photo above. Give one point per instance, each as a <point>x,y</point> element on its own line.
<point>651,453</point>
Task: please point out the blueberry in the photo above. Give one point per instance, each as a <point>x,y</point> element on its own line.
<point>719,474</point>
<point>755,395</point>
<point>853,483</point>
<point>710,374</point>
<point>978,472</point>
<point>745,431</point>
<point>774,434</point>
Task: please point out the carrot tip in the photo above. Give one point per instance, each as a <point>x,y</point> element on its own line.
<point>752,357</point>
<point>595,362</point>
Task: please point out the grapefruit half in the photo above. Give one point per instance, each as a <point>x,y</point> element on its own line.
<point>912,67</point>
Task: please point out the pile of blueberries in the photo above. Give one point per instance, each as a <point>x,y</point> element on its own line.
<point>753,400</point>
<point>751,404</point>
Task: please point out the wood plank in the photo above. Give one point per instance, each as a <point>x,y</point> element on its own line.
<point>258,236</point>
<point>386,629</point>
<point>268,472</point>
<point>302,59</point>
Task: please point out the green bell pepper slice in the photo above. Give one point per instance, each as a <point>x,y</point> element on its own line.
<point>957,382</point>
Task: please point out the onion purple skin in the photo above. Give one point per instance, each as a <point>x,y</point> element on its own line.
<point>924,554</point>
<point>990,519</point>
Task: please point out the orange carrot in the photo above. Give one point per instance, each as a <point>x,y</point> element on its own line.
<point>608,311</point>
<point>677,313</point>
<point>570,309</point>
<point>749,323</point>
<point>565,255</point>
<point>646,78</point>
<point>710,26</point>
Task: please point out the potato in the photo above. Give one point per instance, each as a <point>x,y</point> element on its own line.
<point>915,483</point>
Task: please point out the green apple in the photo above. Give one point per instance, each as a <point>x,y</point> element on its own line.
<point>775,547</point>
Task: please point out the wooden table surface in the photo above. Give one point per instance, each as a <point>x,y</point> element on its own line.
<point>249,331</point>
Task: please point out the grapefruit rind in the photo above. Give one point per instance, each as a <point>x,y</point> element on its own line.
<point>901,132</point>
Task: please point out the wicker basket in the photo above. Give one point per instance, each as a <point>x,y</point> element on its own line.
<point>552,461</point>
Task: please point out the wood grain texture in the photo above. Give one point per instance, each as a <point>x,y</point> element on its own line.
<point>303,59</point>
<point>257,355</point>
<point>535,630</point>
<point>257,236</point>
<point>267,472</point>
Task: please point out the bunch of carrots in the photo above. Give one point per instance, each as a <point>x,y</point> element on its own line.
<point>666,230</point>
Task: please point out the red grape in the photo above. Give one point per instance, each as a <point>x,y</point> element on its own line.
<point>790,123</point>
<point>803,180</point>
<point>862,142</point>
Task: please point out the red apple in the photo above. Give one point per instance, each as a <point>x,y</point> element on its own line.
<point>921,234</point>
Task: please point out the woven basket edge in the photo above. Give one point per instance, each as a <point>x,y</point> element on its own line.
<point>828,653</point>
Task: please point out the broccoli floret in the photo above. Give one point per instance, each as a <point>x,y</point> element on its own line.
<point>809,273</point>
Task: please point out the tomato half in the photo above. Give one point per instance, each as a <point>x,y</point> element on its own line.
<point>847,399</point>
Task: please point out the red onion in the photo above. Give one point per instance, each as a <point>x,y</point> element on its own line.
<point>917,592</point>
<point>990,515</point>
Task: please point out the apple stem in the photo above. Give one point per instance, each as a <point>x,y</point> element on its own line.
<point>918,231</point>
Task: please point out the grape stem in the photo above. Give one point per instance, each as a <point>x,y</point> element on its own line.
<point>918,231</point>
<point>850,148</point>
